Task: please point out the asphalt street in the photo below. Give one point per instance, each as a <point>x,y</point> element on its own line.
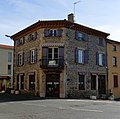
<point>60,109</point>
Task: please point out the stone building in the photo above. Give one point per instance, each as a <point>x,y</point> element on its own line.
<point>60,58</point>
<point>6,67</point>
<point>113,56</point>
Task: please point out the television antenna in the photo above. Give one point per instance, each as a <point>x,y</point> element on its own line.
<point>74,6</point>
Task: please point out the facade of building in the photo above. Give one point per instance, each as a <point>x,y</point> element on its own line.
<point>60,58</point>
<point>113,56</point>
<point>6,67</point>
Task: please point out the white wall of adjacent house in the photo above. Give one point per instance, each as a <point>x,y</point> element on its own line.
<point>6,62</point>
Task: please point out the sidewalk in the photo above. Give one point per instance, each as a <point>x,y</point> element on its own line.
<point>6,97</point>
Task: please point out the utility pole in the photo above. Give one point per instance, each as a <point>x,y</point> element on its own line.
<point>74,7</point>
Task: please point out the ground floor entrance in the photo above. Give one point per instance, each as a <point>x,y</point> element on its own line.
<point>101,84</point>
<point>52,85</point>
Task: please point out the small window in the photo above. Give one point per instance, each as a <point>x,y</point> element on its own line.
<point>101,59</point>
<point>101,42</point>
<point>115,80</point>
<point>10,57</point>
<point>113,48</point>
<point>9,69</point>
<point>114,61</point>
<point>81,82</point>
<point>80,56</point>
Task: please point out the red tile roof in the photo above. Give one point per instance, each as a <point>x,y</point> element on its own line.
<point>6,46</point>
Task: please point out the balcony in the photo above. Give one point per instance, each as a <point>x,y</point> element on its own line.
<point>52,63</point>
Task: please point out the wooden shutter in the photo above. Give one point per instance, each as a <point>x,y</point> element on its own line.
<point>76,55</point>
<point>23,39</point>
<point>97,58</point>
<point>46,32</point>
<point>76,35</point>
<point>17,60</point>
<point>104,60</point>
<point>86,56</point>
<point>35,36</point>
<point>45,56</point>
<point>85,37</point>
<point>29,57</point>
<point>23,58</point>
<point>61,56</point>
<point>35,55</point>
<point>59,32</point>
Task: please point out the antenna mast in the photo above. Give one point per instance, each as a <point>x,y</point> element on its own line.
<point>74,7</point>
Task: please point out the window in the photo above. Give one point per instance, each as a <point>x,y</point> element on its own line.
<point>93,82</point>
<point>81,82</point>
<point>114,61</point>
<point>9,69</point>
<point>32,56</point>
<point>20,41</point>
<point>32,36</point>
<point>52,56</point>
<point>81,56</point>
<point>101,42</point>
<point>10,57</point>
<point>113,48</point>
<point>32,81</point>
<point>81,36</point>
<point>101,59</point>
<point>115,80</point>
<point>53,32</point>
<point>20,59</point>
<point>20,81</point>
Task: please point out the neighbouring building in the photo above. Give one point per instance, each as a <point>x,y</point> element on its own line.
<point>6,67</point>
<point>113,56</point>
<point>60,58</point>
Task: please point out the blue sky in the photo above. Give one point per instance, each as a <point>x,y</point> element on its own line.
<point>15,15</point>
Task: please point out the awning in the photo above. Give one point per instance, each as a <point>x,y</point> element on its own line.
<point>52,44</point>
<point>4,77</point>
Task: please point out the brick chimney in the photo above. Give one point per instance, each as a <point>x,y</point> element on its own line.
<point>71,17</point>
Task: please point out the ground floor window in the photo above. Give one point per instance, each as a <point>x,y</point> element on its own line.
<point>32,81</point>
<point>93,82</point>
<point>81,82</point>
<point>115,80</point>
<point>20,81</point>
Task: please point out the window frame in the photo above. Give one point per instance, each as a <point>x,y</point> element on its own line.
<point>10,57</point>
<point>114,61</point>
<point>115,81</point>
<point>81,82</point>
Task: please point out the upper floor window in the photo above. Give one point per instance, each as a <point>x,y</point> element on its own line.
<point>20,41</point>
<point>81,36</point>
<point>114,61</point>
<point>101,42</point>
<point>81,56</point>
<point>53,56</point>
<point>113,48</point>
<point>20,59</point>
<point>100,59</point>
<point>32,36</point>
<point>32,56</point>
<point>53,32</point>
<point>10,57</point>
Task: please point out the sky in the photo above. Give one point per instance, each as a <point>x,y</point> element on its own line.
<point>16,15</point>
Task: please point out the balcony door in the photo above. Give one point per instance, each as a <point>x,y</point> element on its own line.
<point>53,56</point>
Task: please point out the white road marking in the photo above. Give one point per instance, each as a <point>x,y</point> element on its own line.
<point>87,110</point>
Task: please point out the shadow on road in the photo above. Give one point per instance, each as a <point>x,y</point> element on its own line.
<point>5,97</point>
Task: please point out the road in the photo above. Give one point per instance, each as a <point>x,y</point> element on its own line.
<point>60,109</point>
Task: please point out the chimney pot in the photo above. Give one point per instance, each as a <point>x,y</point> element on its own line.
<point>71,17</point>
